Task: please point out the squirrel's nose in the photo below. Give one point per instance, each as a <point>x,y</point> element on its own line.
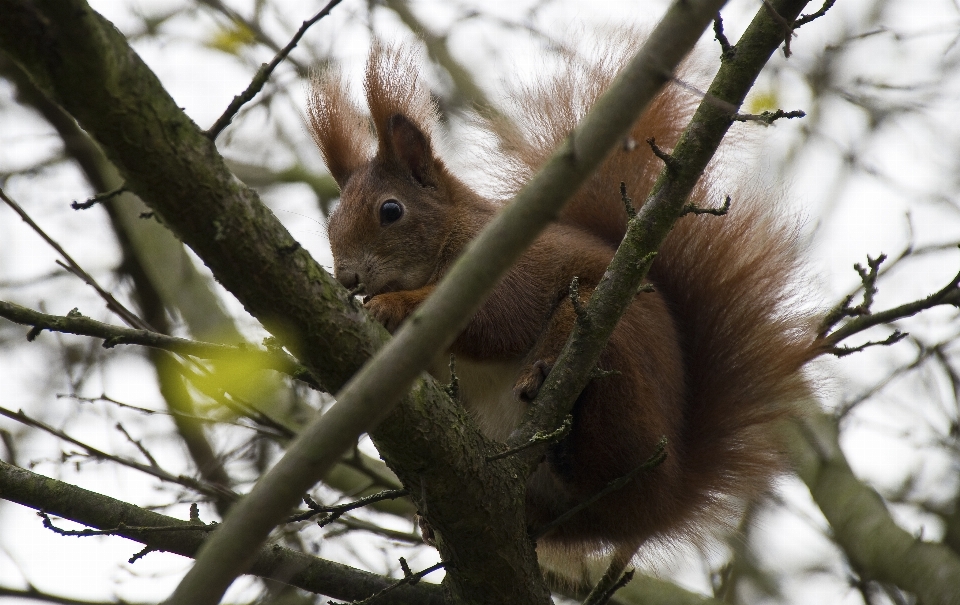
<point>349,279</point>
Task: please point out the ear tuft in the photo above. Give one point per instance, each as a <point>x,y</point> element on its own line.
<point>337,125</point>
<point>403,111</point>
<point>411,149</point>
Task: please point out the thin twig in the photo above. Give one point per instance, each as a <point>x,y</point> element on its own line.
<point>334,512</point>
<point>98,198</point>
<point>128,316</point>
<point>727,50</point>
<point>214,491</point>
<point>353,524</point>
<point>671,162</point>
<point>408,578</point>
<point>652,462</point>
<point>692,208</point>
<point>627,201</point>
<point>31,592</point>
<point>76,323</point>
<point>578,308</point>
<point>769,117</point>
<point>453,389</point>
<point>139,445</point>
<point>613,580</point>
<point>538,439</point>
<point>120,529</point>
<point>894,338</point>
<point>868,283</point>
<point>948,295</point>
<point>263,74</point>
<point>784,24</point>
<point>804,19</point>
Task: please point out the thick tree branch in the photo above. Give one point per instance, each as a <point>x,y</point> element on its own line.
<point>288,566</point>
<point>879,548</point>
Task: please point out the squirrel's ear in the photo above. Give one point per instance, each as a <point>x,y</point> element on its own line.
<point>411,148</point>
<point>340,130</point>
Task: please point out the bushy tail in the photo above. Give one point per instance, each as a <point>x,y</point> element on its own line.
<point>731,283</point>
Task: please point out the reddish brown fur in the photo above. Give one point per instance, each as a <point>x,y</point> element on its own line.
<point>709,360</point>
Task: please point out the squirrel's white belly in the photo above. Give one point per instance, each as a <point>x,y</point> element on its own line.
<point>486,391</point>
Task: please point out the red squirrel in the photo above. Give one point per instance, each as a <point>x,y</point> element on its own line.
<point>709,358</point>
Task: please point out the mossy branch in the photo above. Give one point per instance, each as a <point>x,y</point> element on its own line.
<point>861,523</point>
<point>181,537</point>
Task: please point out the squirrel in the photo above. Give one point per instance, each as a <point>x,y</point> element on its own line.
<point>710,356</point>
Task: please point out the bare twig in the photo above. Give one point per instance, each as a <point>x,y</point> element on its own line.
<point>868,283</point>
<point>694,209</point>
<point>653,461</point>
<point>627,201</point>
<point>139,445</point>
<point>804,19</point>
<point>671,162</point>
<point>98,198</point>
<point>213,491</point>
<point>76,323</point>
<point>784,24</point>
<point>538,439</point>
<point>408,578</point>
<point>120,529</point>
<point>948,295</point>
<point>769,117</point>
<point>453,389</point>
<point>31,592</point>
<point>894,338</point>
<point>612,581</point>
<point>727,50</point>
<point>128,316</point>
<point>263,74</point>
<point>335,512</point>
<point>353,524</point>
<point>574,295</point>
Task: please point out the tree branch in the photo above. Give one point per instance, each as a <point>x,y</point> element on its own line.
<point>212,490</point>
<point>879,548</point>
<point>75,323</point>
<point>289,566</point>
<point>649,228</point>
<point>263,74</point>
<point>948,295</point>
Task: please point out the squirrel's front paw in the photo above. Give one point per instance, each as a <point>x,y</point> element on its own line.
<point>389,309</point>
<point>530,380</point>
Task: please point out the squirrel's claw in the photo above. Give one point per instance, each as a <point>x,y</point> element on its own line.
<point>388,309</point>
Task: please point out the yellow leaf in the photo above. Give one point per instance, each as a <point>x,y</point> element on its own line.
<point>762,101</point>
<point>231,40</point>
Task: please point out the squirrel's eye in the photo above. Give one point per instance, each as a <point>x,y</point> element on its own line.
<point>390,212</point>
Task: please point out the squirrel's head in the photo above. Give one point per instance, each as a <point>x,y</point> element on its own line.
<point>388,229</point>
